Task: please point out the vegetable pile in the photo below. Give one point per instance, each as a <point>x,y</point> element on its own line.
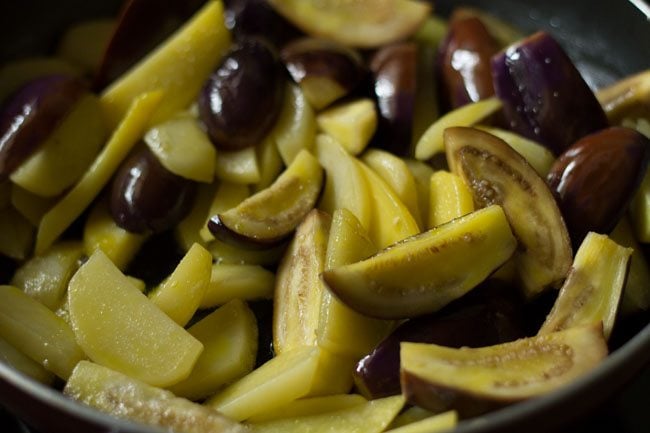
<point>423,220</point>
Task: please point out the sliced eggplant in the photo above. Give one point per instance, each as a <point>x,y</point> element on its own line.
<point>268,217</point>
<point>425,272</point>
<point>596,178</point>
<point>298,288</point>
<point>359,23</point>
<point>544,96</point>
<point>497,174</point>
<point>325,70</point>
<point>486,316</point>
<point>474,381</point>
<point>592,291</point>
<point>628,98</point>
<point>465,60</point>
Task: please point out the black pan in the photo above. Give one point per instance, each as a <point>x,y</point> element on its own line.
<point>607,39</point>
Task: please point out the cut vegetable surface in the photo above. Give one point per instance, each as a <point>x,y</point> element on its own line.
<point>425,272</point>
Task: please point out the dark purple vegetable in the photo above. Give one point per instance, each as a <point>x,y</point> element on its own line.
<point>146,196</point>
<point>242,99</point>
<point>486,316</point>
<point>256,18</point>
<point>465,55</point>
<point>141,26</point>
<point>395,70</point>
<point>595,179</point>
<point>544,96</point>
<point>31,114</point>
<point>325,70</point>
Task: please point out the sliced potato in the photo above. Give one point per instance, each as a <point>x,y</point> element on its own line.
<point>180,295</point>
<point>37,332</point>
<point>30,205</point>
<point>280,381</point>
<point>245,282</point>
<point>128,398</point>
<point>227,196</point>
<point>352,124</point>
<point>183,148</point>
<point>345,185</point>
<point>422,174</point>
<point>84,44</point>
<point>371,417</point>
<point>229,338</point>
<point>238,166</point>
<point>269,162</point>
<point>449,198</point>
<point>15,358</point>
<point>188,231</point>
<point>443,422</point>
<point>296,127</point>
<point>16,234</point>
<point>118,327</point>
<point>179,67</point>
<point>636,293</point>
<point>311,406</point>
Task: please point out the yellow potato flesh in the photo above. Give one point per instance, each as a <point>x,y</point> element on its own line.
<point>353,124</point>
<point>239,166</point>
<point>345,185</point>
<point>183,148</point>
<point>229,338</point>
<point>449,198</point>
<point>179,67</point>
<point>296,127</point>
<point>66,154</point>
<point>13,357</point>
<point>16,234</point>
<point>118,327</point>
<point>181,293</point>
<point>311,406</point>
<point>227,196</point>
<point>246,282</point>
<point>37,332</point>
<point>281,380</point>
<point>30,205</point>
<point>371,417</point>
<point>57,219</point>
<point>434,424</point>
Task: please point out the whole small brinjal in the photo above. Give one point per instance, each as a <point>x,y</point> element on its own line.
<point>141,26</point>
<point>395,72</point>
<point>242,99</point>
<point>31,114</point>
<point>544,96</point>
<point>146,196</point>
<point>257,18</point>
<point>595,179</point>
<point>488,315</point>
<point>465,54</point>
<point>325,70</point>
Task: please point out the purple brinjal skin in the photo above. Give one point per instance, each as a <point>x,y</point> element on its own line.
<point>595,179</point>
<point>394,69</point>
<point>145,196</point>
<point>32,114</point>
<point>242,98</point>
<point>245,18</point>
<point>489,316</point>
<point>544,96</point>
<point>464,61</point>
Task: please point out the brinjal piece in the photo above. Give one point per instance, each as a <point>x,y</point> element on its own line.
<point>141,26</point>
<point>497,174</point>
<point>465,55</point>
<point>32,114</point>
<point>423,273</point>
<point>395,76</point>
<point>243,97</point>
<point>474,381</point>
<point>359,23</point>
<point>596,178</point>
<point>628,98</point>
<point>246,18</point>
<point>486,316</point>
<point>269,216</point>
<point>146,196</point>
<point>325,70</point>
<point>544,96</point>
<point>592,291</point>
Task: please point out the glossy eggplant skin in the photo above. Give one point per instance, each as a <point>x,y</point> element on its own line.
<point>464,61</point>
<point>595,179</point>
<point>246,18</point>
<point>395,73</point>
<point>544,96</point>
<point>31,114</point>
<point>141,26</point>
<point>242,99</point>
<point>488,315</point>
<point>145,196</point>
